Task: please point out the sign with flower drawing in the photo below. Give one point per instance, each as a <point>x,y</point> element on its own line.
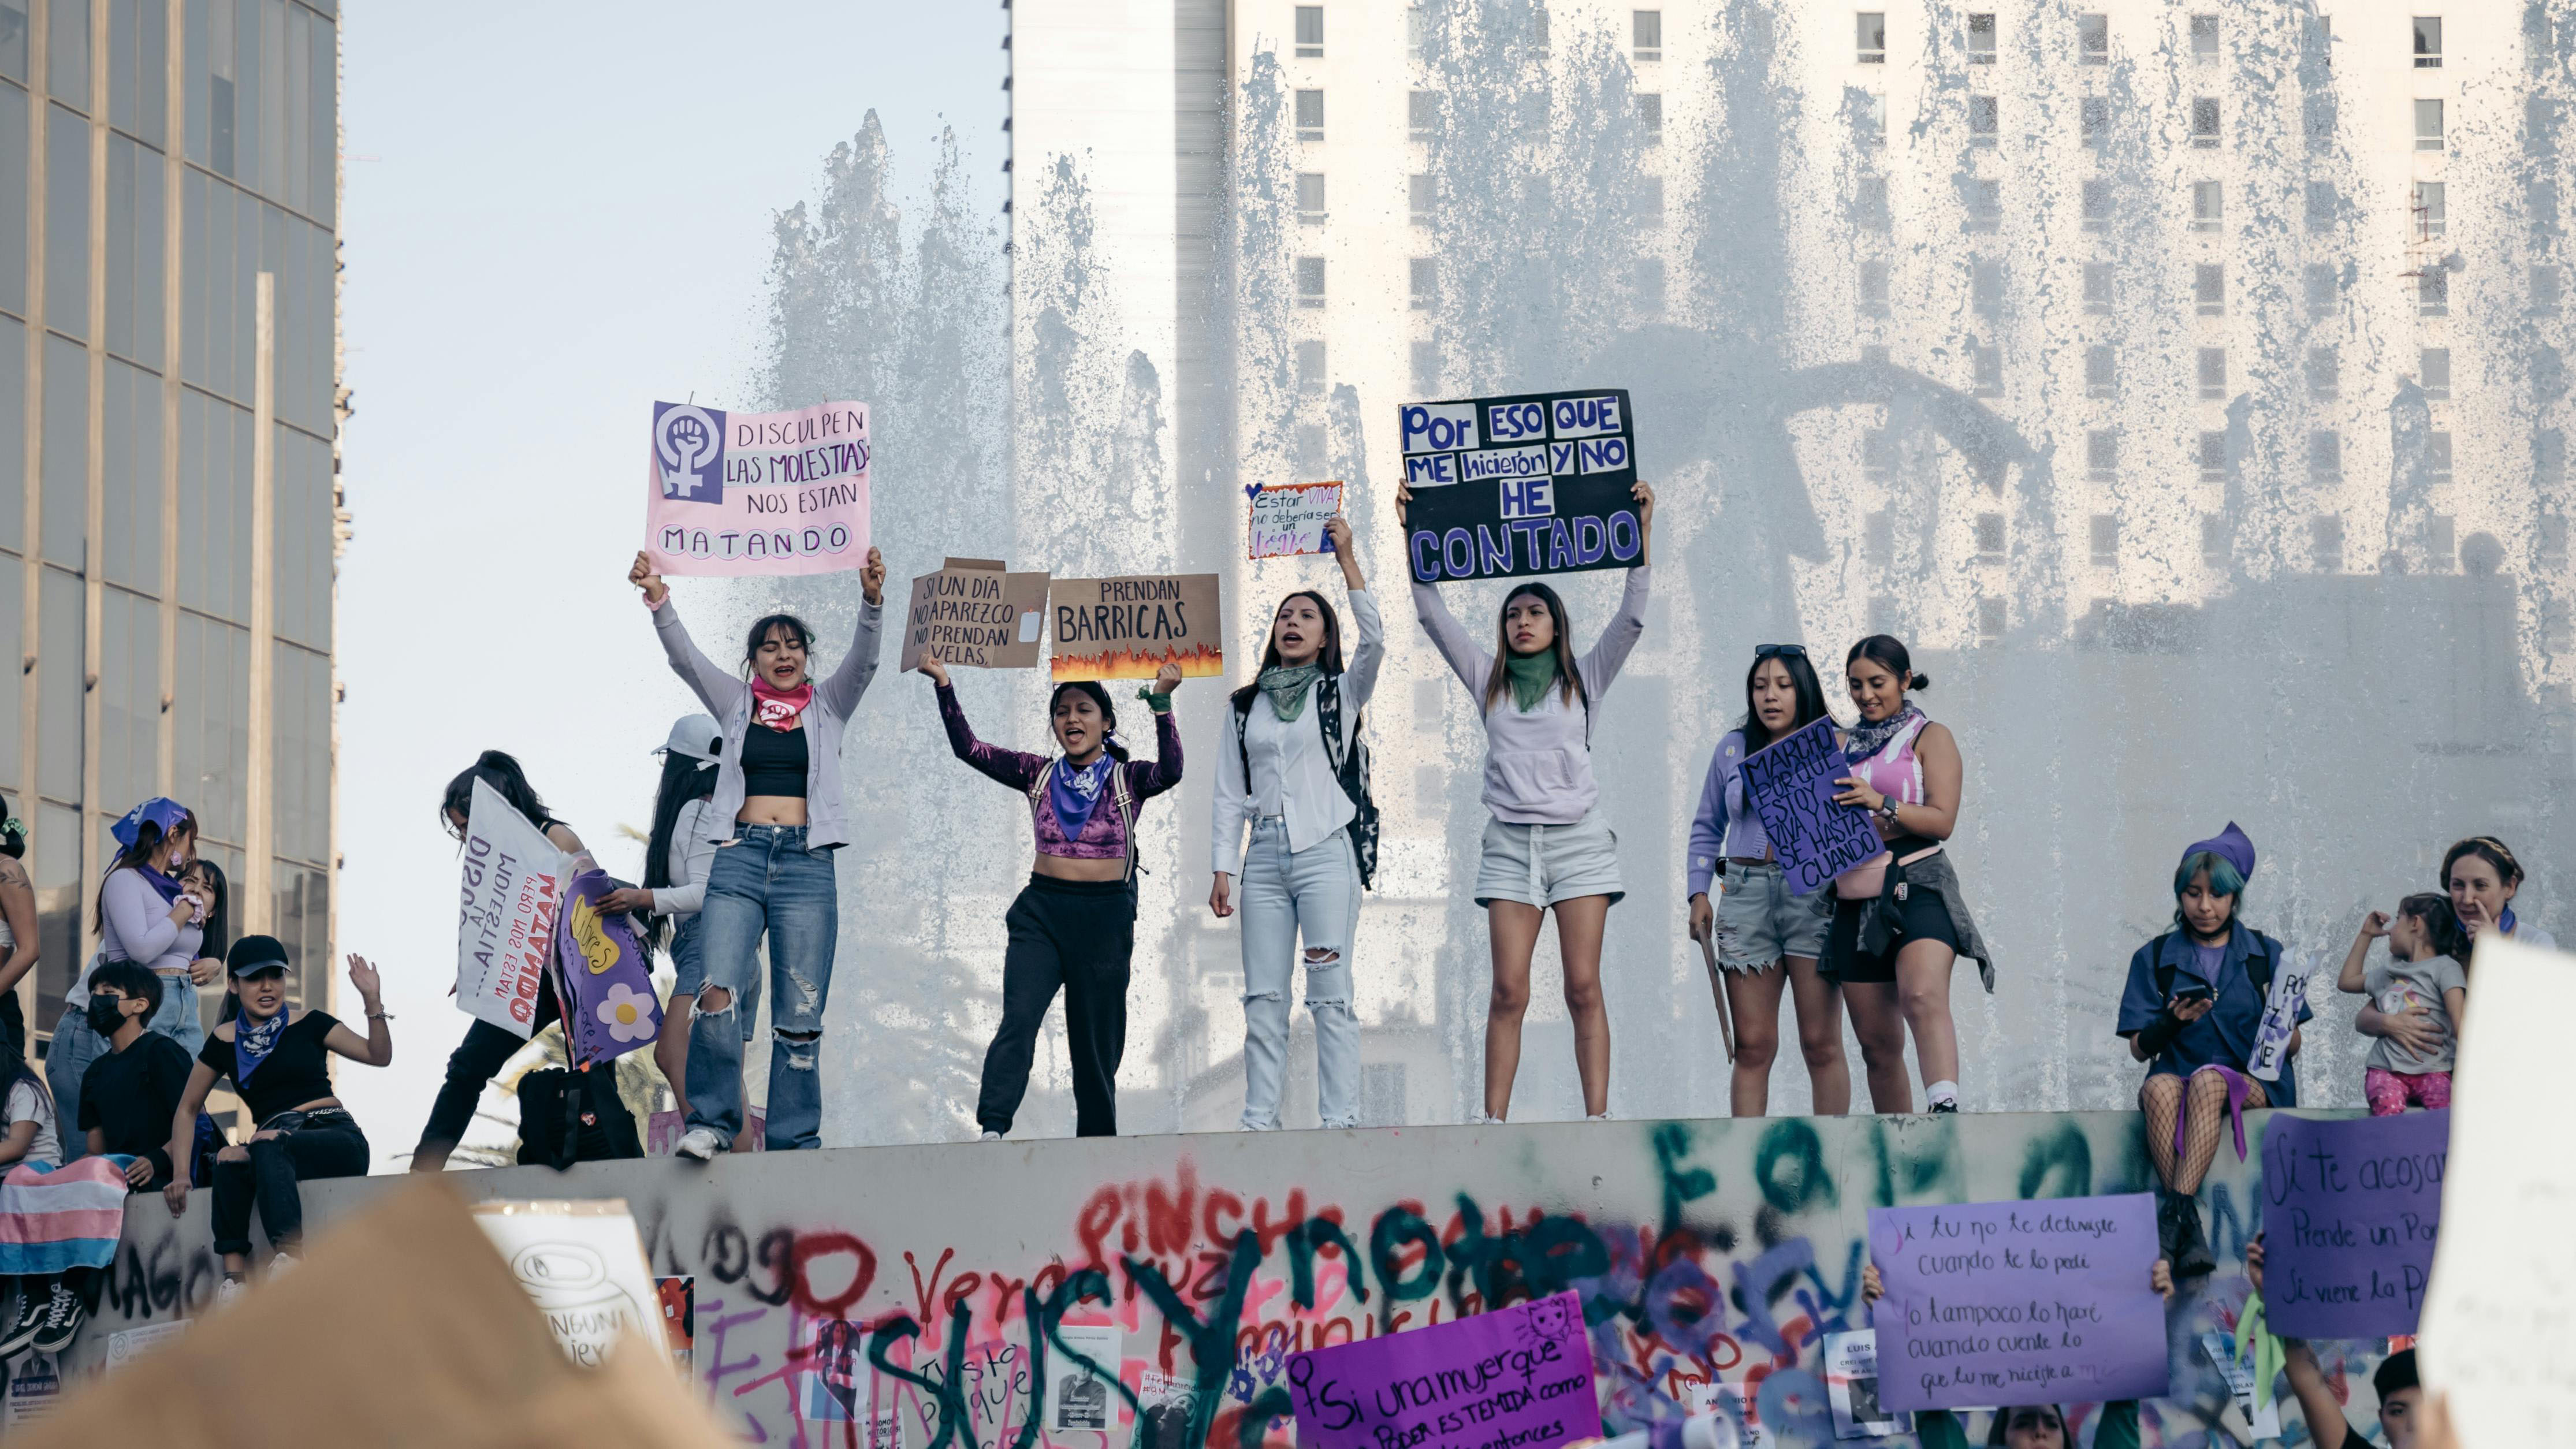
<point>606,980</point>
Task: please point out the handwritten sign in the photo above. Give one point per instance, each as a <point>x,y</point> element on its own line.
<point>975,614</point>
<point>2281,1019</point>
<point>2018,1303</point>
<point>757,493</point>
<point>1790,784</point>
<point>1513,1378</point>
<point>2495,1325</point>
<point>1130,628</point>
<point>607,990</point>
<point>2349,1214</point>
<point>1289,518</point>
<point>1533,484</point>
<point>505,921</point>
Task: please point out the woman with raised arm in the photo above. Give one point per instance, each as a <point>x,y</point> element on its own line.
<point>1546,845</point>
<point>1900,919</point>
<point>1288,765</point>
<point>1074,925</point>
<point>776,817</point>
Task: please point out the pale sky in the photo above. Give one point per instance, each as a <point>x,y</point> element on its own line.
<point>554,215</point>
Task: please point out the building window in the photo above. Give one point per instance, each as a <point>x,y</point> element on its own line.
<point>2441,543</point>
<point>1985,119</point>
<point>1873,288</point>
<point>1426,283</point>
<point>2097,204</point>
<point>1422,110</point>
<point>1309,457</point>
<point>1417,31</point>
<point>2540,201</point>
<point>2320,116</point>
<point>2325,373</point>
<point>2094,120</point>
<point>2093,38</point>
<point>2323,206</point>
<point>2436,371</point>
<point>2204,39</point>
<point>2105,532</point>
<point>2213,373</point>
<point>2209,288</point>
<point>1426,368</point>
<point>1646,29</point>
<point>1310,32</point>
<point>2437,456</point>
<point>1650,200</point>
<point>2213,541</point>
<point>2428,125</point>
<point>1869,203</point>
<point>1650,118</point>
<point>1538,27</point>
<point>2324,291</point>
<point>1981,39</point>
<point>1986,286</point>
<point>2208,205</point>
<point>2102,455</point>
<point>2325,454</point>
<point>1874,354</point>
<point>2325,536</point>
<point>1423,193</point>
<point>2432,217</point>
<point>2433,291</point>
<point>1990,618</point>
<point>1989,363</point>
<point>1310,115</point>
<point>2213,457</point>
<point>1873,37</point>
<point>1990,538</point>
<point>1650,286</point>
<point>1869,118</point>
<point>2097,288</point>
<point>2204,120</point>
<point>1310,196</point>
<point>2101,371</point>
<point>1310,281</point>
<point>2546,284</point>
<point>2428,42</point>
<point>2549,457</point>
<point>1878,531</point>
<point>1310,368</point>
<point>2553,540</point>
<point>1985,203</point>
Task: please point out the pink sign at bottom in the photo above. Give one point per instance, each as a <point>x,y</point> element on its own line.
<point>1514,1378</point>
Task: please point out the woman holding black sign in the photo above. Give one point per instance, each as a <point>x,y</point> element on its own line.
<point>1547,845</point>
<point>1767,939</point>
<point>1900,921</point>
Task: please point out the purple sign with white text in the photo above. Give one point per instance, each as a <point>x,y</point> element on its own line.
<point>1513,1378</point>
<point>2050,1301</point>
<point>607,983</point>
<point>2350,1209</point>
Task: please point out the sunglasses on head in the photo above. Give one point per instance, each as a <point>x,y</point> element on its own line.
<point>1779,651</point>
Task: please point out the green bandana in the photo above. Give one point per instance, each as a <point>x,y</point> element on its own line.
<point>1532,674</point>
<point>1287,688</point>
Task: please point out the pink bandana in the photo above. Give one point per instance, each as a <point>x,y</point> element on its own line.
<point>781,710</point>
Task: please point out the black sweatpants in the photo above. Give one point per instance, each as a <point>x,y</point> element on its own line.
<point>317,1144</point>
<point>485,1050</point>
<point>1077,935</point>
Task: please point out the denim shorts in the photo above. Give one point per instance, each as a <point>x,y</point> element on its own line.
<point>1759,922</point>
<point>1540,865</point>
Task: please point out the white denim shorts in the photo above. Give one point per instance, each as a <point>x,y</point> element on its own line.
<point>1540,865</point>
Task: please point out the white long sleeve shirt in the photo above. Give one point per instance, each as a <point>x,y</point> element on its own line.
<point>690,857</point>
<point>1292,775</point>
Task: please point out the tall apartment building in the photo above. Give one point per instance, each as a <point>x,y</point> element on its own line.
<point>169,178</point>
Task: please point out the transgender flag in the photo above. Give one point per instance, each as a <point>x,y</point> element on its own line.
<point>53,1218</point>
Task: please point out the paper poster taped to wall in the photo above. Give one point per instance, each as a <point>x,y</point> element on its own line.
<point>1130,628</point>
<point>1851,1386</point>
<point>2350,1210</point>
<point>1081,1397</point>
<point>1520,1376</point>
<point>1733,1416</point>
<point>975,614</point>
<point>1790,784</point>
<point>582,1264</point>
<point>678,1300</point>
<point>1537,483</point>
<point>757,493</point>
<point>839,1386</point>
<point>505,925</point>
<point>1286,519</point>
<point>127,1345</point>
<point>35,1391</point>
<point>2262,1414</point>
<point>609,1005</point>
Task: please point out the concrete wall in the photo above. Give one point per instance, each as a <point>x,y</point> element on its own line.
<point>1703,1249</point>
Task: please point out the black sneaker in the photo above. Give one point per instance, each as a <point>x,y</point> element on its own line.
<point>2191,1257</point>
<point>1939,1108</point>
<point>64,1313</point>
<point>30,1321</point>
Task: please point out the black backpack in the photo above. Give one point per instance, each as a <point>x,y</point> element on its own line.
<point>569,1116</point>
<point>1351,769</point>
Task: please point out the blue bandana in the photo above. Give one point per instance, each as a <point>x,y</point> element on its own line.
<point>1076,793</point>
<point>252,1044</point>
<point>160,810</point>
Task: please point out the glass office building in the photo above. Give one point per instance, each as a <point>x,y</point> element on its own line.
<point>169,402</point>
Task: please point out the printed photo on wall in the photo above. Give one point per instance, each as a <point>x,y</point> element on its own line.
<point>1851,1386</point>
<point>1077,1397</point>
<point>840,1387</point>
<point>679,1303</point>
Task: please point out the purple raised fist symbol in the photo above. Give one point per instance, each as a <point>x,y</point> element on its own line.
<point>688,446</point>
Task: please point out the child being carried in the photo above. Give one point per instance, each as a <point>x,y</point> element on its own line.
<point>2421,991</point>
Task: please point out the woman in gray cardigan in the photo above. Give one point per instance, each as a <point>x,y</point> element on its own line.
<point>777,817</point>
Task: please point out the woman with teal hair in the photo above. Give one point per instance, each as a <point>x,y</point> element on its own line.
<point>2193,1011</point>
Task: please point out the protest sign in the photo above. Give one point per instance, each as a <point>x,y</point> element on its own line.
<point>609,1007</point>
<point>975,614</point>
<point>2281,1019</point>
<point>2262,1415</point>
<point>2350,1210</point>
<point>505,926</point>
<point>1851,1386</point>
<point>1518,1376</point>
<point>2018,1303</point>
<point>1790,784</point>
<point>1289,518</point>
<point>757,493</point>
<point>2494,1340</point>
<point>1130,628</point>
<point>582,1264</point>
<point>1533,484</point>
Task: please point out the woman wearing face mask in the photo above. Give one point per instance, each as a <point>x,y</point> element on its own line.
<point>1767,939</point>
<point>77,1043</point>
<point>1074,925</point>
<point>143,913</point>
<point>18,934</point>
<point>1547,845</point>
<point>278,1060</point>
<point>1900,919</point>
<point>1301,876</point>
<point>776,817</point>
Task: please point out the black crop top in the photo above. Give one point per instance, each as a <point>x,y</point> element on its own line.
<point>773,762</point>
<point>297,1071</point>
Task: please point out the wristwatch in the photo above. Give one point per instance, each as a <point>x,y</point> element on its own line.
<point>1887,808</point>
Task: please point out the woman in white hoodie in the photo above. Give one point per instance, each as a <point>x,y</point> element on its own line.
<point>1547,846</point>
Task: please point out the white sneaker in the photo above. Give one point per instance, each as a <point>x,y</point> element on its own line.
<point>227,1291</point>
<point>1479,1119</point>
<point>700,1144</point>
<point>1598,1117</point>
<point>990,1137</point>
<point>282,1263</point>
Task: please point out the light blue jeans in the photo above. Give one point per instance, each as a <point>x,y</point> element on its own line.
<point>766,882</point>
<point>1313,893</point>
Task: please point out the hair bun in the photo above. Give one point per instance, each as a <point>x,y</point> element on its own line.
<point>1919,682</point>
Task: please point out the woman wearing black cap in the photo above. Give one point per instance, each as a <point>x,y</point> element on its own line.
<point>276,1058</point>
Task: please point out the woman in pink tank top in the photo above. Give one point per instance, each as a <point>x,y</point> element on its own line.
<point>1900,920</point>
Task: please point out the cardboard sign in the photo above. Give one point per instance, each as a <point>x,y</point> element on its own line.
<point>2494,1340</point>
<point>1790,785</point>
<point>2350,1212</point>
<point>1130,628</point>
<point>505,926</point>
<point>757,493</point>
<point>2018,1303</point>
<point>975,614</point>
<point>1289,518</point>
<point>1533,484</point>
<point>582,1263</point>
<point>2281,1019</point>
<point>1851,1387</point>
<point>608,1003</point>
<point>1520,1376</point>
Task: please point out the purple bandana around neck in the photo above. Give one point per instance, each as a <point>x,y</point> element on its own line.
<point>1076,793</point>
<point>168,886</point>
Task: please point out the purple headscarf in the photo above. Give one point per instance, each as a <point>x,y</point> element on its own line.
<point>2229,845</point>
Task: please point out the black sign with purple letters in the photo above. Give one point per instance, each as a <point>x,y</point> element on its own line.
<point>1534,484</point>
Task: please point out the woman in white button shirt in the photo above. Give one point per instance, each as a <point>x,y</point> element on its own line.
<point>1301,874</point>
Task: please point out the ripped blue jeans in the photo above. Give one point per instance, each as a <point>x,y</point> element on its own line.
<point>765,881</point>
<point>1312,894</point>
